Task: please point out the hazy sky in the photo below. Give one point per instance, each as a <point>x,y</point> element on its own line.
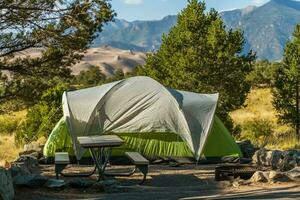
<point>157,9</point>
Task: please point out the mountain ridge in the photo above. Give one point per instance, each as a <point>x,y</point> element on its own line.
<point>266,29</point>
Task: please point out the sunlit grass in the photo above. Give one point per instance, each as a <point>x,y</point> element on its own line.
<point>8,123</point>
<point>8,150</point>
<point>258,106</point>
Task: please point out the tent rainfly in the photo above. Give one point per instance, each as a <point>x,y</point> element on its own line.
<point>141,105</point>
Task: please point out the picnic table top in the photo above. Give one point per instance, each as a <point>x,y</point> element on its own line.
<point>100,141</point>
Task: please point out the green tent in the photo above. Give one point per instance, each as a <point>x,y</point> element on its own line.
<point>220,143</point>
<point>152,119</point>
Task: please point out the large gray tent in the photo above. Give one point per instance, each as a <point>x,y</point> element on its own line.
<point>139,104</point>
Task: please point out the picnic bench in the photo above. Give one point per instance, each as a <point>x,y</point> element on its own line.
<point>100,148</point>
<point>140,163</point>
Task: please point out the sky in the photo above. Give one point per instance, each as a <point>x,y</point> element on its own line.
<point>157,9</point>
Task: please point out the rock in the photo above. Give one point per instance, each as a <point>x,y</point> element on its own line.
<point>239,182</point>
<point>16,170</point>
<point>294,174</point>
<point>81,183</point>
<point>275,176</point>
<point>31,180</point>
<point>32,149</point>
<point>27,163</point>
<point>6,185</point>
<point>224,184</point>
<point>289,160</point>
<point>108,182</point>
<point>258,177</point>
<point>267,158</point>
<point>55,183</point>
<point>259,157</point>
<point>247,148</point>
<point>275,158</point>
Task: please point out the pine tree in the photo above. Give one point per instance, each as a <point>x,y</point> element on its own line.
<point>286,86</point>
<point>200,55</point>
<point>62,30</point>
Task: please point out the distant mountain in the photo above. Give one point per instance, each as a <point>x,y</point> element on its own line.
<point>266,29</point>
<point>138,35</point>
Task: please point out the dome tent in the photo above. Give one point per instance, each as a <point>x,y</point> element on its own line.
<point>148,116</point>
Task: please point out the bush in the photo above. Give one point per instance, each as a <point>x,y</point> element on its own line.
<point>263,74</point>
<point>258,131</point>
<point>10,122</point>
<point>8,125</point>
<point>93,76</point>
<point>42,117</point>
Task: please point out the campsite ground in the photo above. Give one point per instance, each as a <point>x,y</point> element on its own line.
<point>165,182</point>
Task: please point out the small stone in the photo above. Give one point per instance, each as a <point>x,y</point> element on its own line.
<point>225,184</point>
<point>235,184</point>
<point>81,183</point>
<point>31,180</point>
<point>55,183</point>
<point>258,177</point>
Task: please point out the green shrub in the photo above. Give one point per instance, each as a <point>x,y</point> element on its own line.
<point>93,76</point>
<point>263,74</point>
<point>10,122</point>
<point>8,125</point>
<point>260,132</point>
<point>42,117</point>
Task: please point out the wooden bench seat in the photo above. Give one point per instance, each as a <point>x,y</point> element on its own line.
<point>61,160</point>
<point>140,163</point>
<point>137,158</point>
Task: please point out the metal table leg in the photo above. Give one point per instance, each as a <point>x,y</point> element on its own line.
<point>97,155</point>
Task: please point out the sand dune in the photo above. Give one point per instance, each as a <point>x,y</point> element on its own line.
<point>107,58</point>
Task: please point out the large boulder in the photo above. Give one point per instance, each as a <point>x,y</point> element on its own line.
<point>283,160</point>
<point>6,185</point>
<point>289,160</point>
<point>277,176</point>
<point>27,163</point>
<point>247,148</point>
<point>260,157</point>
<point>32,149</point>
<point>31,180</point>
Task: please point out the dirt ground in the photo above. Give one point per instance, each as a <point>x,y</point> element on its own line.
<point>165,182</point>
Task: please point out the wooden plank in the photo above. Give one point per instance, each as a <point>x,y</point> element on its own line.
<point>62,158</point>
<point>137,158</point>
<point>100,141</point>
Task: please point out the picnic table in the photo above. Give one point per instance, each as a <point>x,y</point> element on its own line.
<point>100,148</point>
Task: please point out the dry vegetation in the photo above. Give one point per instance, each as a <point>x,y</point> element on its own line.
<point>258,108</point>
<point>8,123</point>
